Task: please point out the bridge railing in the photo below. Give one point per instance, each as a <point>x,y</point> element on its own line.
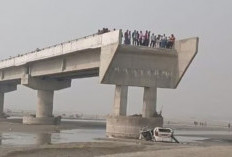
<point>48,47</point>
<point>86,42</point>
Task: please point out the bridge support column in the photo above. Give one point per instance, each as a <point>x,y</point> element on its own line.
<point>149,102</point>
<point>120,100</point>
<point>1,105</point>
<point>45,94</point>
<point>5,89</point>
<point>45,103</point>
<point>120,125</point>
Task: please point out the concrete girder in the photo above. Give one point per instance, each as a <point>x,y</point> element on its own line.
<point>49,84</point>
<point>129,65</point>
<point>5,88</point>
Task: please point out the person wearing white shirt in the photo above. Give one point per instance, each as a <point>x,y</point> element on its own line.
<point>153,40</point>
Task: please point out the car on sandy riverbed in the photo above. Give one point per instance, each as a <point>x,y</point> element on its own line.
<point>163,134</point>
<point>158,134</point>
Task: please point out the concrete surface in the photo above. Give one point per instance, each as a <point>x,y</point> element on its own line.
<point>129,126</point>
<point>32,120</point>
<point>120,101</point>
<point>45,103</point>
<point>1,105</point>
<point>149,102</point>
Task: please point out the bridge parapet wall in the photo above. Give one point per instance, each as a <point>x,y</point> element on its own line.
<point>91,42</point>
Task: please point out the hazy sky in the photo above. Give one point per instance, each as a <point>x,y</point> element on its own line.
<point>205,90</point>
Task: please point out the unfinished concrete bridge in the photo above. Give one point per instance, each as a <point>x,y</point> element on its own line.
<point>53,68</point>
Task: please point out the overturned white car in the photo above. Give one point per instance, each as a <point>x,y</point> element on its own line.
<point>163,134</point>
<point>158,134</point>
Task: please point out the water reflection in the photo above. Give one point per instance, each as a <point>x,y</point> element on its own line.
<point>65,136</point>
<point>43,138</point>
<point>81,135</point>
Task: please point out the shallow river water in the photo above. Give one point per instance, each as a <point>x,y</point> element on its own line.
<point>64,136</point>
<point>87,135</point>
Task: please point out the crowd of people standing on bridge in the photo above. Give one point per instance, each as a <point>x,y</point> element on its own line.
<point>139,38</point>
<point>104,30</point>
<point>148,39</point>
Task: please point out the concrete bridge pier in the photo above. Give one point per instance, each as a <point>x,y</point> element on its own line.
<point>5,89</point>
<point>2,115</point>
<point>45,95</point>
<point>120,101</point>
<point>121,125</point>
<point>45,103</point>
<point>149,102</point>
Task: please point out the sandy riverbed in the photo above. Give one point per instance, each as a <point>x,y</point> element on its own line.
<point>110,147</point>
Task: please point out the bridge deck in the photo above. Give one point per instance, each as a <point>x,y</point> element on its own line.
<point>104,56</point>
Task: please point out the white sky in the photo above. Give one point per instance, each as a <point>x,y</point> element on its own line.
<point>205,90</point>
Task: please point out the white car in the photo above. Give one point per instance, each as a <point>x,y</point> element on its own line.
<point>163,134</point>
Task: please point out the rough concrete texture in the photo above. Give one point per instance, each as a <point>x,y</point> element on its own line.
<point>120,101</point>
<point>5,89</point>
<point>129,126</point>
<point>142,66</point>
<point>1,105</point>
<point>45,84</point>
<point>44,110</point>
<point>147,67</point>
<point>149,102</point>
<point>106,57</point>
<point>32,120</point>
<point>44,104</point>
<point>187,50</point>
